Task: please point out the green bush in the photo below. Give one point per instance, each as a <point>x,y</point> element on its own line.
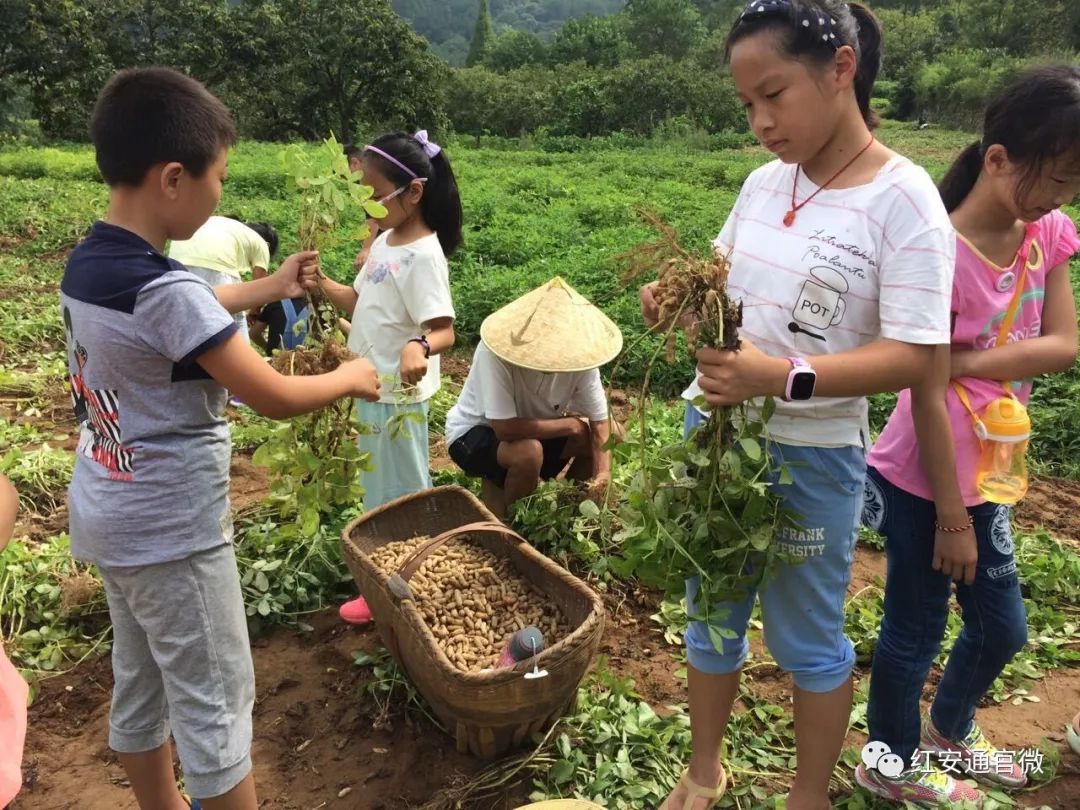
<point>637,97</point>
<point>955,89</point>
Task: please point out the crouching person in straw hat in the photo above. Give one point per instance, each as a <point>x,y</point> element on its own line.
<point>533,404</point>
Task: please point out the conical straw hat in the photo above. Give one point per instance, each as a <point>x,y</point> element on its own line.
<point>552,329</point>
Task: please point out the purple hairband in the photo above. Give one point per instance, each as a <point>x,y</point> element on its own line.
<point>431,149</point>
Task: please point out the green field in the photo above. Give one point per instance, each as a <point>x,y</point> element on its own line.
<point>531,213</point>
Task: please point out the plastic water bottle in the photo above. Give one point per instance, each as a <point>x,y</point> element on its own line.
<point>523,645</point>
<point>1005,428</point>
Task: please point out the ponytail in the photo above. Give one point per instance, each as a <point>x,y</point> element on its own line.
<point>960,179</point>
<point>441,204</point>
<point>868,34</point>
<point>813,30</point>
<point>411,157</point>
<point>1035,119</point>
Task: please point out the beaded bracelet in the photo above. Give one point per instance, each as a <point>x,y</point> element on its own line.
<point>956,529</point>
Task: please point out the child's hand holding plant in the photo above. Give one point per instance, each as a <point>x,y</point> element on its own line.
<point>363,378</point>
<point>298,274</point>
<point>730,377</point>
<point>414,362</point>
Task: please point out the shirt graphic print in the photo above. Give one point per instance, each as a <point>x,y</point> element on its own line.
<point>97,412</point>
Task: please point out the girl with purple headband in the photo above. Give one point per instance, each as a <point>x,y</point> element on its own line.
<point>402,313</point>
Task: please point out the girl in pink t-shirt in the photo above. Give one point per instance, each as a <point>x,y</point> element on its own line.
<point>1003,195</point>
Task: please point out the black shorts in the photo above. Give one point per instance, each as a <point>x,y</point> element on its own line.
<point>273,315</point>
<point>477,453</point>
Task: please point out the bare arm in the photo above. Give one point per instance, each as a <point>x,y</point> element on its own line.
<point>512,430</point>
<point>341,296</point>
<point>955,553</point>
<point>440,334</point>
<point>9,510</point>
<point>239,368</point>
<point>248,294</point>
<point>1054,349</point>
<point>292,280</point>
<point>884,365</point>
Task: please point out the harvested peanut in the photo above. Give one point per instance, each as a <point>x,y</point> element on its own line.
<point>471,599</point>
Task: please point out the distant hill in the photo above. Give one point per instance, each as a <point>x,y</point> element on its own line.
<point>448,24</point>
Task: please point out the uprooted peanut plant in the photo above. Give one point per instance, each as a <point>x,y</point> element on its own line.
<point>314,459</point>
<point>701,508</point>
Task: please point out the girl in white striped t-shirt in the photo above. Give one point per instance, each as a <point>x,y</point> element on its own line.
<point>842,254</point>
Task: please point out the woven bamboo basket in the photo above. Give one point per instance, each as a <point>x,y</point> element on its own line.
<point>488,713</point>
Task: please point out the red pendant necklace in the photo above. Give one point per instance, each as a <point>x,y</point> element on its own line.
<point>789,217</point>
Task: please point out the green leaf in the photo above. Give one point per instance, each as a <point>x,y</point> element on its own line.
<point>761,538</point>
<point>768,409</point>
<point>309,522</point>
<point>561,772</point>
<point>717,635</point>
<point>374,210</point>
<point>751,448</point>
<point>589,509</point>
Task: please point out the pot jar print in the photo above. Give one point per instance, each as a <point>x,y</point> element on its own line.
<point>821,303</point>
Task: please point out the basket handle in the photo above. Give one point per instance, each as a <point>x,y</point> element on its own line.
<point>399,582</point>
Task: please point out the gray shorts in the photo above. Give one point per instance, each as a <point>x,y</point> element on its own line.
<point>181,657</point>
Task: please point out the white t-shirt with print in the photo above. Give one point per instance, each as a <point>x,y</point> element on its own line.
<point>400,288</point>
<point>496,389</point>
<point>858,264</point>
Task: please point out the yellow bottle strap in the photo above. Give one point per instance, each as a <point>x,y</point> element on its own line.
<point>961,392</point>
<point>1014,304</point>
<point>1006,322</point>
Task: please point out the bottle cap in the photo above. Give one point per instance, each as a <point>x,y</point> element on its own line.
<point>526,643</point>
<point>1005,420</point>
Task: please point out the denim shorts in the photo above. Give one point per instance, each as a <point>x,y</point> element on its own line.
<point>802,603</point>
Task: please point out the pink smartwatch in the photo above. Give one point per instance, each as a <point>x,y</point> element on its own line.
<point>801,381</point>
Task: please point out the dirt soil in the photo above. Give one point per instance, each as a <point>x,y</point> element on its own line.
<point>317,740</point>
<point>316,744</point>
<point>1055,504</point>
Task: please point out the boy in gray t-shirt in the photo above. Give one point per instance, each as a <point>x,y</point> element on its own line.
<point>151,351</point>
